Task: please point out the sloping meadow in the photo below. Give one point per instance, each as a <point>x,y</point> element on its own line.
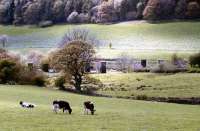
<point>152,39</point>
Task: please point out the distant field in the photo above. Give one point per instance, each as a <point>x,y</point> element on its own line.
<point>180,85</point>
<point>111,115</point>
<point>138,39</point>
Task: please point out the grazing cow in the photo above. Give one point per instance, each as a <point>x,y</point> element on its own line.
<point>26,105</point>
<point>61,105</point>
<point>88,105</point>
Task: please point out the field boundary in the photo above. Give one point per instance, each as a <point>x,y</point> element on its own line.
<point>177,100</point>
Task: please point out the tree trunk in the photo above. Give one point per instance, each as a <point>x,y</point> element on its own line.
<point>78,82</point>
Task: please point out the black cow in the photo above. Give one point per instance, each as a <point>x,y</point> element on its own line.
<point>26,105</point>
<point>88,105</point>
<point>61,105</point>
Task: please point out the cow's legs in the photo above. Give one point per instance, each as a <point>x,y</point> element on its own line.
<point>55,108</point>
<point>86,111</point>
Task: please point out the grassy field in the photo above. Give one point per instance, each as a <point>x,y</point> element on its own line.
<point>112,114</point>
<point>152,85</point>
<point>138,39</point>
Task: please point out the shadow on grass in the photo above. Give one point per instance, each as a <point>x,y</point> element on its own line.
<point>171,21</point>
<point>86,93</point>
<point>177,100</point>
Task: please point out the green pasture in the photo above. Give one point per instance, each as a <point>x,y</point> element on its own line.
<point>111,115</point>
<point>180,85</point>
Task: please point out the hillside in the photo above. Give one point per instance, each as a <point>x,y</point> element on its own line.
<point>138,39</point>
<point>47,12</point>
<point>111,115</point>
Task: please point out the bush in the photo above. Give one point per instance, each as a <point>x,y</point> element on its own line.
<point>12,71</point>
<point>59,82</point>
<point>38,81</point>
<point>73,17</point>
<point>165,68</point>
<point>26,76</point>
<point>194,70</point>
<point>45,67</point>
<point>31,77</point>
<point>141,97</point>
<point>5,55</point>
<point>8,71</point>
<point>195,60</point>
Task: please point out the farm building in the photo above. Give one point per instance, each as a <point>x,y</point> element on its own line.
<point>103,65</point>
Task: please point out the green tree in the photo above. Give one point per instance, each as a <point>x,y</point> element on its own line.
<point>195,60</point>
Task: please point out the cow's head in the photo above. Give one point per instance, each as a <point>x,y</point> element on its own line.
<point>21,102</point>
<point>70,111</point>
<point>55,102</point>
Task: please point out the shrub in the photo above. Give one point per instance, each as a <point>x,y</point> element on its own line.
<point>12,71</point>
<point>141,97</point>
<point>165,68</point>
<point>38,80</point>
<point>59,82</point>
<point>31,77</point>
<point>26,76</point>
<point>194,70</point>
<point>195,60</point>
<point>73,17</point>
<point>5,55</point>
<point>8,71</point>
<point>45,67</point>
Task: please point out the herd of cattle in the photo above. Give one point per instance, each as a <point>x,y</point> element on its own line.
<point>63,105</point>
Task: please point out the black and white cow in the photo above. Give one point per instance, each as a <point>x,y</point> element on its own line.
<point>26,104</point>
<point>89,106</point>
<point>61,105</point>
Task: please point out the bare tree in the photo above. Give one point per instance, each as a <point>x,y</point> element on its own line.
<point>125,62</point>
<point>34,57</point>
<point>3,40</point>
<point>80,34</point>
<point>72,59</point>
